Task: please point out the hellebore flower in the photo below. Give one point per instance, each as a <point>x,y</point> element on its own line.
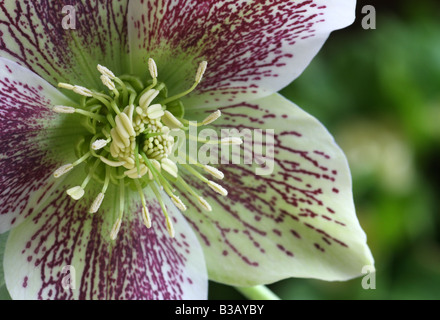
<point>89,106</point>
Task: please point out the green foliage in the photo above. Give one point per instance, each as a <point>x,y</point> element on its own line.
<point>4,295</point>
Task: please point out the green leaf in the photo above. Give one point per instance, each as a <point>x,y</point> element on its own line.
<point>4,294</point>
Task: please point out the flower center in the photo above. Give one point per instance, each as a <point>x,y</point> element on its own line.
<point>130,141</point>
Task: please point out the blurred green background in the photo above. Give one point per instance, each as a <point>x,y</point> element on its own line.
<point>378,93</point>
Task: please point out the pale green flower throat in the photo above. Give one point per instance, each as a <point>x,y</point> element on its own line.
<point>130,141</point>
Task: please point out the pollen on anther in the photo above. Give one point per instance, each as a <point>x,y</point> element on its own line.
<point>63,170</point>
<point>65,86</point>
<point>178,203</point>
<point>171,121</point>
<point>152,68</point>
<point>169,166</point>
<point>115,229</point>
<point>212,117</point>
<point>108,82</point>
<point>218,188</point>
<point>204,204</point>
<point>106,72</point>
<point>63,109</point>
<point>231,141</point>
<point>214,172</point>
<point>82,91</point>
<point>146,217</point>
<point>97,203</point>
<point>201,71</point>
<point>170,228</point>
<point>76,193</point>
<point>99,144</point>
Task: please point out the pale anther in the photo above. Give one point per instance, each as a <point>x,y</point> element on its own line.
<point>106,72</point>
<point>179,204</point>
<point>112,163</point>
<point>170,167</point>
<point>97,203</point>
<point>108,83</point>
<point>82,91</point>
<point>152,67</point>
<point>231,140</point>
<point>218,188</point>
<point>65,86</point>
<point>63,109</point>
<point>115,229</point>
<point>146,217</point>
<point>204,204</point>
<point>99,144</point>
<point>170,228</point>
<point>156,165</point>
<point>76,193</point>
<point>147,98</point>
<point>214,172</point>
<point>201,71</point>
<point>171,121</point>
<point>63,170</point>
<point>155,112</point>
<point>126,123</point>
<point>212,117</point>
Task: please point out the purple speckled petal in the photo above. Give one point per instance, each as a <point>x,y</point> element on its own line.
<point>141,264</point>
<point>299,221</point>
<point>32,34</point>
<point>253,48</point>
<point>34,141</point>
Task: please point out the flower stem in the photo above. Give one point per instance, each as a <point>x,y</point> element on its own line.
<point>257,293</point>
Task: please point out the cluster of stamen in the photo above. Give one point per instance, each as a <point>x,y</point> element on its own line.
<point>130,142</point>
